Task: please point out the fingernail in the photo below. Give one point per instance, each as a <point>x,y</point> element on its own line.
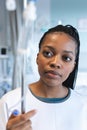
<point>15,112</point>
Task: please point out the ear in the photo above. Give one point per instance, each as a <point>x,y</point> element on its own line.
<point>37,58</point>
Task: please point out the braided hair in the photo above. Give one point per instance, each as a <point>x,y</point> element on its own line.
<point>71,31</point>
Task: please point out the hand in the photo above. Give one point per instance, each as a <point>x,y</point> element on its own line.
<point>20,122</point>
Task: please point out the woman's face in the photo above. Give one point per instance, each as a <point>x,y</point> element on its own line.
<point>56,58</point>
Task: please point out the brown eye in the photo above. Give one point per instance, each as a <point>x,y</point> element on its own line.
<point>66,58</point>
<point>48,54</point>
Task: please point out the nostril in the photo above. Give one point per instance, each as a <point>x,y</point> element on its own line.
<point>54,66</point>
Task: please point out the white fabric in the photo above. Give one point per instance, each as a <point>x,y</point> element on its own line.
<point>68,115</point>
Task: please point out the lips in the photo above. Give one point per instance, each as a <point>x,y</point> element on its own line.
<point>53,74</point>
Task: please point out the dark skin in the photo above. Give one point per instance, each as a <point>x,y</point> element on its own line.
<point>20,122</point>
<point>55,60</point>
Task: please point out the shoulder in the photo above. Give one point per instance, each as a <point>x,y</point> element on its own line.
<point>11,95</point>
<point>78,97</point>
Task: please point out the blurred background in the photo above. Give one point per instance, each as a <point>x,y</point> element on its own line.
<point>22,23</point>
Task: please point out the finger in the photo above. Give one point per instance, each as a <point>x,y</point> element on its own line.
<point>30,114</point>
<point>26,125</point>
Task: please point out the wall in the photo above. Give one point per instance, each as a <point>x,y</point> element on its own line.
<point>72,12</point>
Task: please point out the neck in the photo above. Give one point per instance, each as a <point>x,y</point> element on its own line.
<point>48,91</point>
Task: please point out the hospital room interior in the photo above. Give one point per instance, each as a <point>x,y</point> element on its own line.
<point>22,23</point>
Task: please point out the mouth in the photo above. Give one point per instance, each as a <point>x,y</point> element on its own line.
<point>53,74</point>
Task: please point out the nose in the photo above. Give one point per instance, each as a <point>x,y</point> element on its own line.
<point>56,62</point>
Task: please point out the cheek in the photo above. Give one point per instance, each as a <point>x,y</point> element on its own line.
<point>40,69</point>
<point>40,63</point>
<point>66,74</point>
<point>68,70</point>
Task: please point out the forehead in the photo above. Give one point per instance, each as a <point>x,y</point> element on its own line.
<point>57,38</point>
<point>59,41</point>
<point>59,34</point>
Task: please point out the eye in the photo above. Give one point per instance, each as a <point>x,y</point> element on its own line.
<point>67,58</point>
<point>48,54</point>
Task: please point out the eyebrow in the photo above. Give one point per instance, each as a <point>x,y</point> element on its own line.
<point>65,51</point>
<point>68,52</point>
<point>49,47</point>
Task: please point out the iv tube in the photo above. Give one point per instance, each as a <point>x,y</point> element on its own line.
<point>26,35</point>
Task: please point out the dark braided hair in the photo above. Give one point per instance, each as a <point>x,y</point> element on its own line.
<point>72,31</point>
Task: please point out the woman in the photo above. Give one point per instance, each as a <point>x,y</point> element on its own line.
<point>51,102</point>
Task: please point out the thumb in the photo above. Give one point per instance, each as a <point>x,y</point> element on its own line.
<point>14,114</point>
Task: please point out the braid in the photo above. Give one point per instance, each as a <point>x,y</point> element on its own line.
<point>70,30</point>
